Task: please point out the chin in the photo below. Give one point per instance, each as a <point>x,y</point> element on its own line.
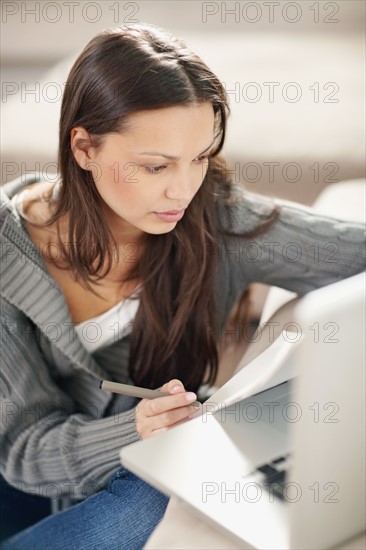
<point>166,228</point>
<point>163,231</point>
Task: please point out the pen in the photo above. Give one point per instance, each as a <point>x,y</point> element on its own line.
<point>135,391</point>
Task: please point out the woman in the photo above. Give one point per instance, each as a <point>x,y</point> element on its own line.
<point>127,269</point>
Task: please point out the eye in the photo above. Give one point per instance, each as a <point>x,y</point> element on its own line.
<point>202,158</point>
<point>154,169</point>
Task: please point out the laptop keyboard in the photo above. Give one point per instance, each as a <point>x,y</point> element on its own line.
<point>272,476</point>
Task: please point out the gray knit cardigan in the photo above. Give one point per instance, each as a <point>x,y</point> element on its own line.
<point>61,434</point>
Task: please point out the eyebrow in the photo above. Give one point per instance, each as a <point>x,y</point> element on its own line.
<point>170,157</point>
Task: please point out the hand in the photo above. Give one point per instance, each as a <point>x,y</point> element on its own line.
<point>160,414</point>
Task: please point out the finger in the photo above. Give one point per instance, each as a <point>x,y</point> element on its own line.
<point>163,404</point>
<point>171,417</point>
<point>173,386</point>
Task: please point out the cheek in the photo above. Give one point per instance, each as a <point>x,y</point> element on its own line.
<point>115,173</point>
<point>204,169</point>
<point>199,176</point>
<point>122,185</point>
<point>125,174</point>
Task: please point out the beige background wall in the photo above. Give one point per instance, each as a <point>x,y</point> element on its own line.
<point>309,55</point>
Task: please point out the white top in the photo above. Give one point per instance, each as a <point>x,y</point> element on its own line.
<point>112,325</point>
<point>101,331</point>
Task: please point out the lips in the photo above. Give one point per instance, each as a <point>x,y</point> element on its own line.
<point>170,215</point>
<point>171,212</point>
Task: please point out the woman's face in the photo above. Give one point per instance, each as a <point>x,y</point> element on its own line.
<point>148,175</point>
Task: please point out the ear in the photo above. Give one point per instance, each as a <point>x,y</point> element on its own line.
<point>81,146</point>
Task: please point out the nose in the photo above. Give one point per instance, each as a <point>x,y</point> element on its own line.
<point>182,188</point>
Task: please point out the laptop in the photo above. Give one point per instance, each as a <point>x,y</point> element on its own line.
<point>278,461</point>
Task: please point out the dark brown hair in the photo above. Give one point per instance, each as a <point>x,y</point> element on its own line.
<point>120,72</point>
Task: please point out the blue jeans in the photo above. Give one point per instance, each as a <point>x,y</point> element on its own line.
<point>19,510</point>
<point>121,517</point>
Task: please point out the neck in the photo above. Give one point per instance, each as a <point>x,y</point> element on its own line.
<point>123,233</point>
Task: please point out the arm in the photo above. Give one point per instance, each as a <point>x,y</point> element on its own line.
<point>47,441</point>
<point>300,251</point>
<point>51,446</point>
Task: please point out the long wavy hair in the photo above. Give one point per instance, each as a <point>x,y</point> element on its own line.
<point>122,71</point>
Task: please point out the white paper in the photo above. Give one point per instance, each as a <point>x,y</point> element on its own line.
<point>270,368</point>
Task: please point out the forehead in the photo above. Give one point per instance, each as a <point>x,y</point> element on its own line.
<point>189,113</point>
<point>170,126</point>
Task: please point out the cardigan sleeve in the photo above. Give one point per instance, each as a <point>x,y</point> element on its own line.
<point>48,446</point>
<point>300,250</point>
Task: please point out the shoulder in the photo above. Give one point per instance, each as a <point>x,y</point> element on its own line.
<point>240,212</point>
<point>8,192</point>
<point>5,206</point>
